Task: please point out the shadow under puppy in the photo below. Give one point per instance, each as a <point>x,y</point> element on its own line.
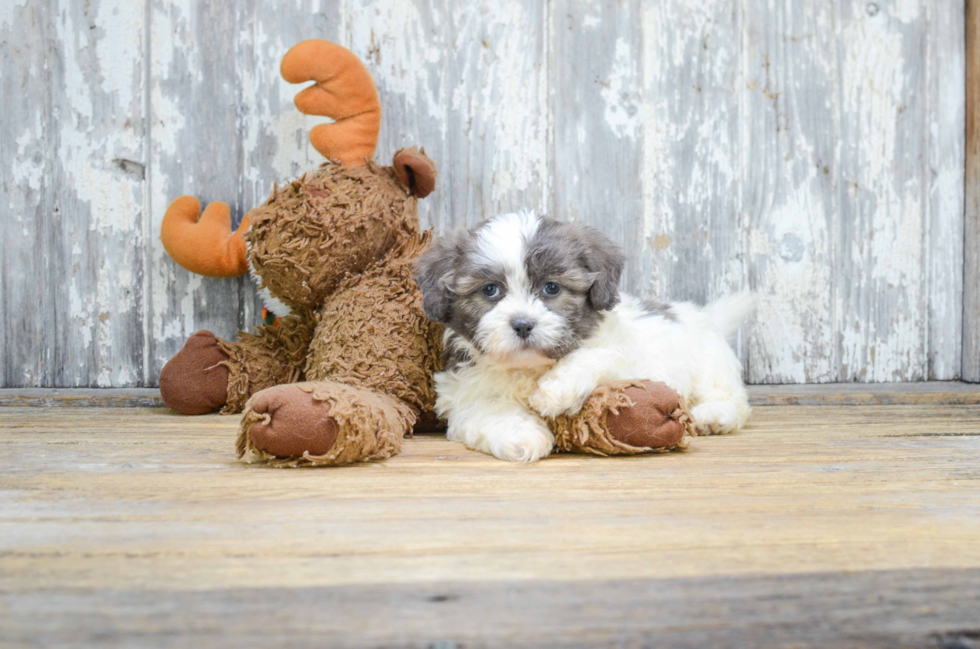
<point>536,327</point>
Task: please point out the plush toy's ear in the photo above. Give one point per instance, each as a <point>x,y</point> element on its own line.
<point>344,92</point>
<point>435,271</point>
<point>606,260</point>
<point>416,171</point>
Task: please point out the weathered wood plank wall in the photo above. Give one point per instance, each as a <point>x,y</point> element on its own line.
<point>971,262</point>
<point>812,151</point>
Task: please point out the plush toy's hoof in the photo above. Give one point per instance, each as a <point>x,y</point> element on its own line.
<point>195,382</point>
<point>291,422</point>
<point>653,421</point>
<point>322,424</point>
<point>625,418</point>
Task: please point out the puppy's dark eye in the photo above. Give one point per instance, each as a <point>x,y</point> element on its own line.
<point>551,289</point>
<point>491,290</point>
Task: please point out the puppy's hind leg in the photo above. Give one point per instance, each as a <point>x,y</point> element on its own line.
<point>715,418</point>
<point>721,411</point>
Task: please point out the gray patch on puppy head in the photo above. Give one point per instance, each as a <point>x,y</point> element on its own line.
<point>556,254</point>
<point>468,310</point>
<point>450,275</point>
<point>469,303</point>
<point>583,248</point>
<point>435,270</point>
<point>656,308</point>
<point>587,267</point>
<point>606,260</point>
<point>580,259</point>
<point>454,353</point>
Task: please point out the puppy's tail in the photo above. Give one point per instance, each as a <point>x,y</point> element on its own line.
<point>727,314</point>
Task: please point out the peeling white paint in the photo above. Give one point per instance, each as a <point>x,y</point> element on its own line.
<point>404,57</point>
<point>620,93</point>
<point>815,155</point>
<point>27,167</point>
<point>883,201</point>
<point>906,11</point>
<point>80,315</point>
<point>9,9</point>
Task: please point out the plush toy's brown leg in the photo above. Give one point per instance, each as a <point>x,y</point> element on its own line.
<point>625,418</point>
<point>210,374</point>
<point>273,355</point>
<point>195,381</point>
<point>322,424</point>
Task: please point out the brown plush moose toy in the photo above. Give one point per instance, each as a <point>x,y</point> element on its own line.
<point>333,254</point>
<point>346,371</point>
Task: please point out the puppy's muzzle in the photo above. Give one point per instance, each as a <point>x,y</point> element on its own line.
<point>522,327</point>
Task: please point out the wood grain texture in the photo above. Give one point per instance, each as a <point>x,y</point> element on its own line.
<point>596,61</point>
<point>791,135</point>
<point>72,258</point>
<point>883,188</point>
<point>816,394</point>
<point>945,173</point>
<point>865,394</point>
<point>821,525</point>
<point>81,398</point>
<point>811,151</point>
<point>195,95</point>
<point>467,81</point>
<point>971,267</point>
<point>27,197</point>
<point>926,608</point>
<point>692,150</point>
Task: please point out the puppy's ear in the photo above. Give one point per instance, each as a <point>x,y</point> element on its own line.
<point>605,260</point>
<point>434,273</point>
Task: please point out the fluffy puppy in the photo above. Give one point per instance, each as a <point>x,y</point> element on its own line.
<point>535,322</point>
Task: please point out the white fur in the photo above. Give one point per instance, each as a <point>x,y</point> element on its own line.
<point>727,314</point>
<point>498,401</point>
<point>486,406</point>
<point>502,241</point>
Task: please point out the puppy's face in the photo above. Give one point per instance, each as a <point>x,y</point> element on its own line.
<point>522,290</point>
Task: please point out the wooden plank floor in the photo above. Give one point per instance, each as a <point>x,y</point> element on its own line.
<point>817,526</point>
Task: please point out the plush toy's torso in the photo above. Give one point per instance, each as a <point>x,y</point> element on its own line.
<point>372,332</point>
<point>336,247</point>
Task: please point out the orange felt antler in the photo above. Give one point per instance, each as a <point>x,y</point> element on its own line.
<point>343,91</point>
<point>206,246</point>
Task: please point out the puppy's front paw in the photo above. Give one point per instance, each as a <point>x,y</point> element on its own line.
<point>524,445</point>
<point>556,396</point>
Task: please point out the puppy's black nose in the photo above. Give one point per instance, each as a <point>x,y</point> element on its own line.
<point>523,327</point>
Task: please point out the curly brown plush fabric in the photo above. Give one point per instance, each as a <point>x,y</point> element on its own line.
<point>625,418</point>
<point>273,355</point>
<point>336,248</point>
<point>373,333</point>
<point>337,245</point>
<point>351,216</point>
<point>365,425</point>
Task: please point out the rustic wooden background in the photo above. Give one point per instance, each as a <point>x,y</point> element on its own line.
<point>812,150</point>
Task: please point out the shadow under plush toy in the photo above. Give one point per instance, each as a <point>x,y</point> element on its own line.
<point>346,372</point>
